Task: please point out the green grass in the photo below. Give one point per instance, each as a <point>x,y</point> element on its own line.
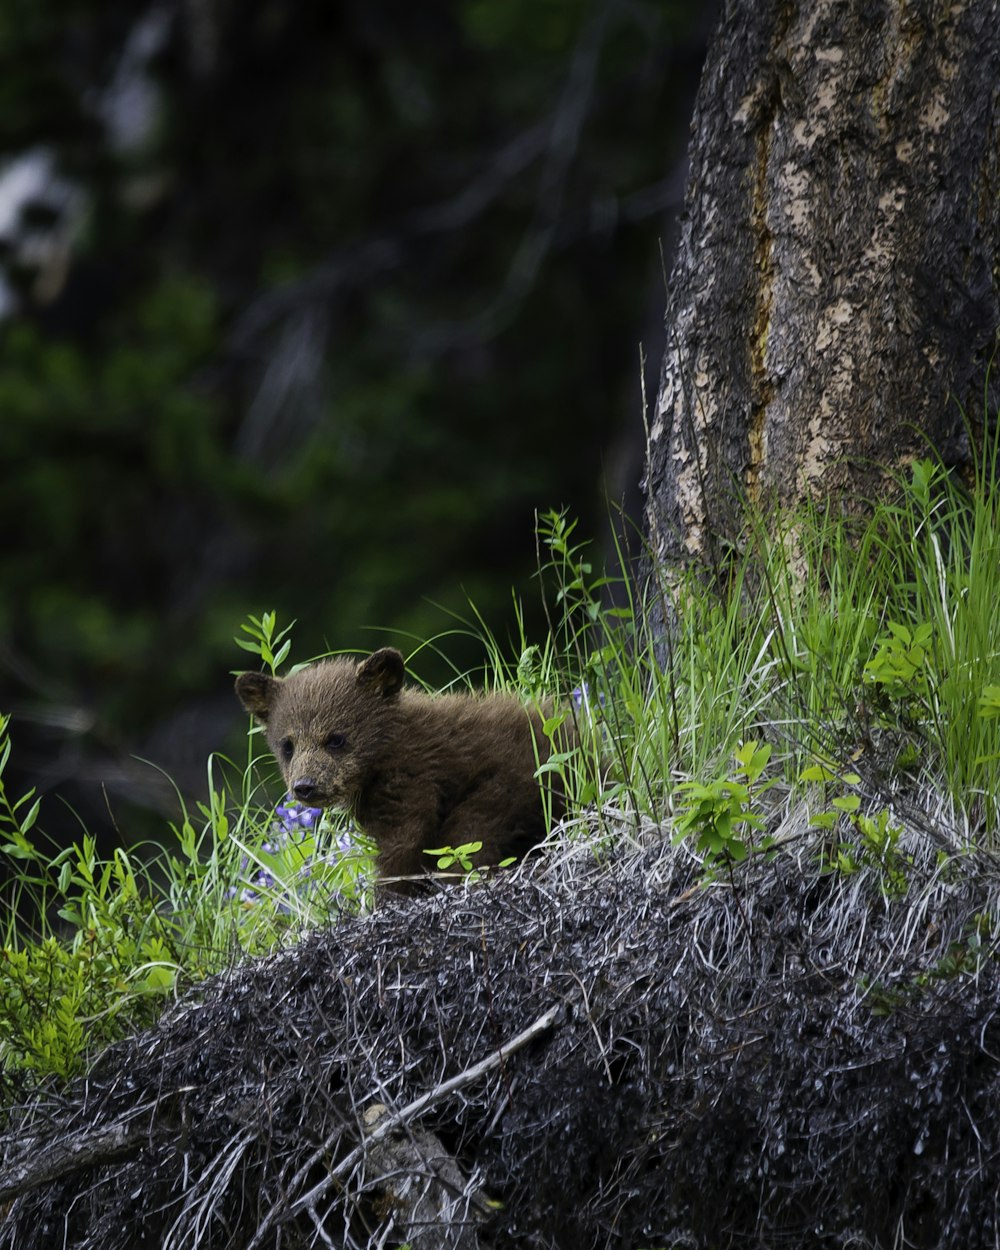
<point>93,948</point>
<point>845,656</point>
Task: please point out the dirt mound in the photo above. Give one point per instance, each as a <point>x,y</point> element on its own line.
<point>778,1058</point>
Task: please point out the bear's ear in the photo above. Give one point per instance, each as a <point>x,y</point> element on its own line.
<point>382,672</point>
<point>257,692</point>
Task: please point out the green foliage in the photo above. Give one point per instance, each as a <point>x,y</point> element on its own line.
<point>449,856</point>
<point>936,668</point>
<point>272,647</point>
<point>93,948</point>
<point>900,665</point>
<point>879,839</point>
<point>588,664</point>
<point>59,997</point>
<point>719,815</point>
<point>60,1000</point>
<point>875,840</point>
<point>841,642</point>
<point>848,803</point>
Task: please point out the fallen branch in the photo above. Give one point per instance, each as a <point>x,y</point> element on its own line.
<point>387,1123</point>
<point>45,1160</point>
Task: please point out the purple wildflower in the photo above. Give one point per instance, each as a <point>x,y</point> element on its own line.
<point>294,818</point>
<point>292,826</point>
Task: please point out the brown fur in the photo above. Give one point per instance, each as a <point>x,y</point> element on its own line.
<point>416,771</point>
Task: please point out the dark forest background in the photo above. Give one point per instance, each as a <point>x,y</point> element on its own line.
<point>306,306</point>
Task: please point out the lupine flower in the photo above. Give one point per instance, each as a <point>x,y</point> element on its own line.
<point>292,824</point>
<point>293,817</point>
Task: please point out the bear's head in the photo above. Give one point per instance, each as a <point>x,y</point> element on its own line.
<point>329,725</point>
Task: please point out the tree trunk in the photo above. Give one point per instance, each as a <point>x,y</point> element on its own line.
<point>835,299</point>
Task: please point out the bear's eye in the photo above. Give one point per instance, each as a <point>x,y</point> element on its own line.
<point>335,742</point>
<point>287,748</point>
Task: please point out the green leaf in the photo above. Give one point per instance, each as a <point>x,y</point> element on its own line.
<point>817,772</point>
<point>989,702</point>
<point>847,803</point>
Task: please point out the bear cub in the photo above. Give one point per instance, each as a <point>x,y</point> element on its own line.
<point>415,770</point>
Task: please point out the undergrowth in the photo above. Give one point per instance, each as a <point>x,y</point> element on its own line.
<point>843,656</point>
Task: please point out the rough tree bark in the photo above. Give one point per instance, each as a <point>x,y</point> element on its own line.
<point>837,282</point>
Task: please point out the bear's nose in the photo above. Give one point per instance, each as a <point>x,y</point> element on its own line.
<point>304,789</point>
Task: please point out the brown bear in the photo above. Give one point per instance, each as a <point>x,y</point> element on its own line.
<point>417,771</point>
